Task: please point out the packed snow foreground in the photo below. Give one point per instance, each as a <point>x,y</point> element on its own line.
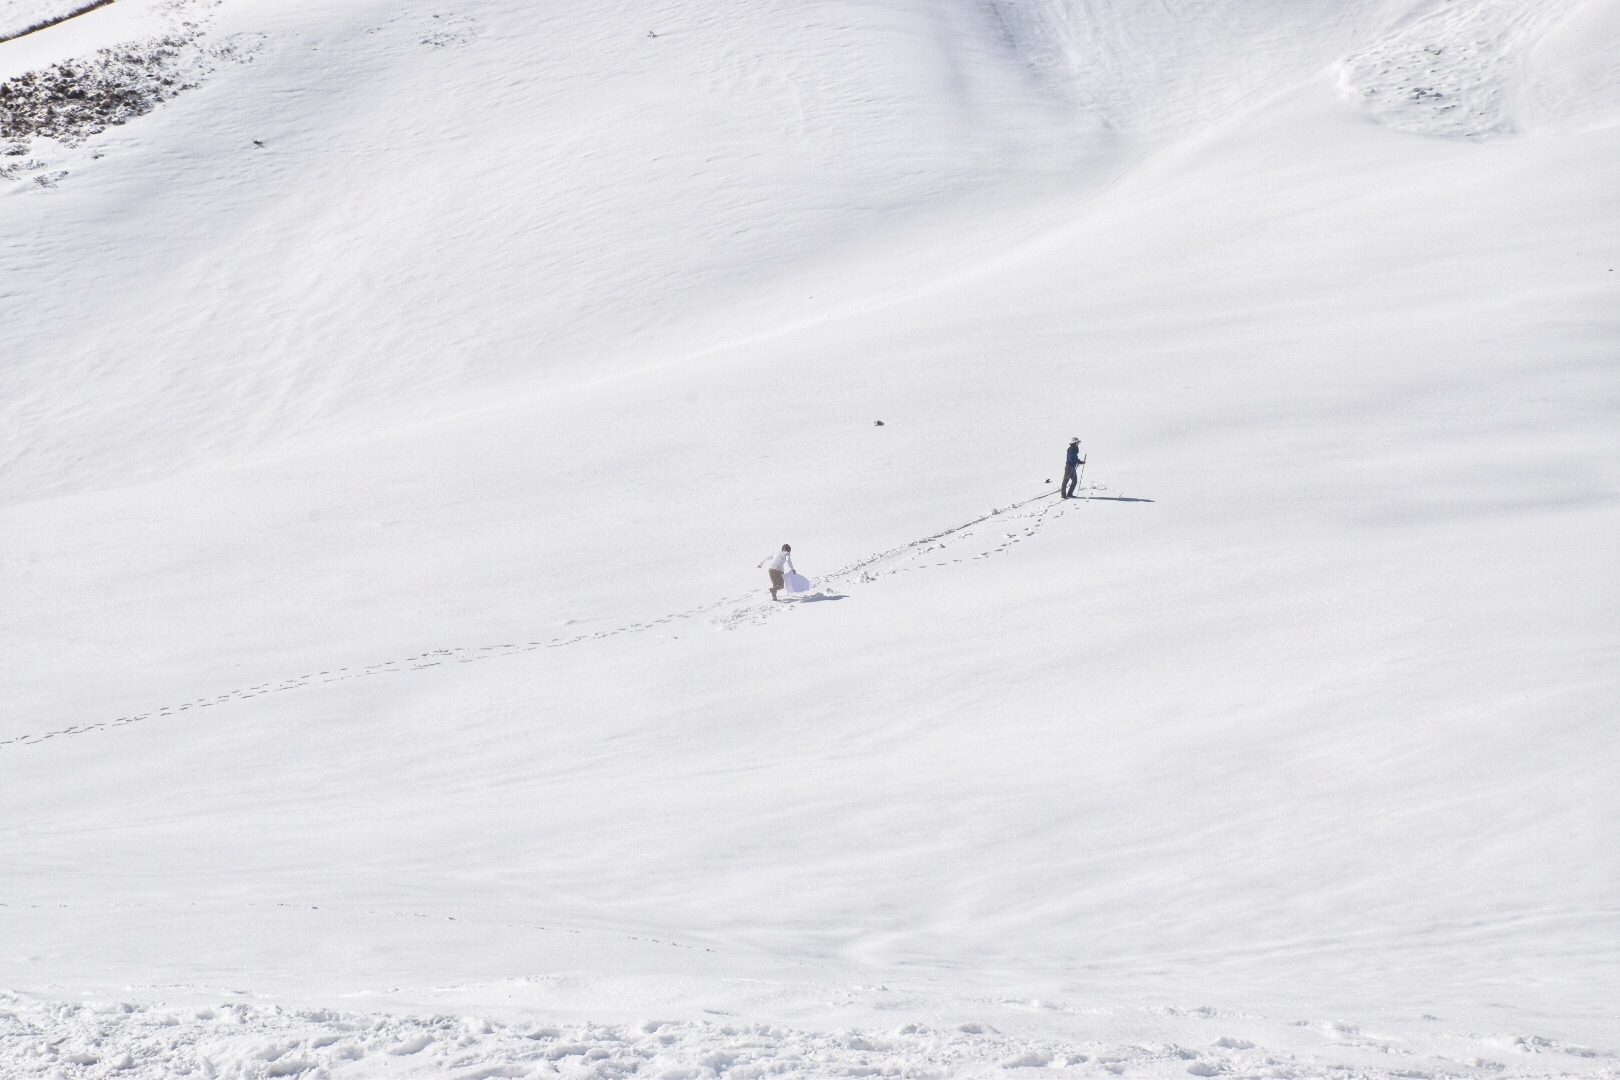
<point>397,400</point>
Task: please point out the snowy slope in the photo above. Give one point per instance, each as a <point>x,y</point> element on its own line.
<point>389,688</point>
<point>500,195</point>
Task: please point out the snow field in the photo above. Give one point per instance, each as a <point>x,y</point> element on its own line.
<point>518,334</point>
<point>641,183</point>
<point>1568,84</point>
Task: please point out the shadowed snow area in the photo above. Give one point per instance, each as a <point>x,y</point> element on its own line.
<point>395,408</point>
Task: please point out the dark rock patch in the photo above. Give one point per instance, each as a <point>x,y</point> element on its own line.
<point>77,98</point>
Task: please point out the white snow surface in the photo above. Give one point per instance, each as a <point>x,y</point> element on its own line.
<point>392,418</point>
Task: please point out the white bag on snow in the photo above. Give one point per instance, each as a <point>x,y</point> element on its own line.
<point>797,583</point>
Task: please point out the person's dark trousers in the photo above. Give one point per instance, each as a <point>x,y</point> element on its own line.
<point>1069,481</point>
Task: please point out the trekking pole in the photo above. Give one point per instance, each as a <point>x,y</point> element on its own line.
<point>1082,478</point>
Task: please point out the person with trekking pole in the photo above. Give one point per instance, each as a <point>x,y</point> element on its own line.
<point>1073,465</point>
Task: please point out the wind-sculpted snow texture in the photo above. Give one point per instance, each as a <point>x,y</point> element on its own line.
<point>393,421</point>
<point>1172,68</point>
<point>719,166</point>
<point>126,1039</point>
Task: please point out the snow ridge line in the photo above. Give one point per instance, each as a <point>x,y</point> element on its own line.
<point>46,24</point>
<point>884,563</point>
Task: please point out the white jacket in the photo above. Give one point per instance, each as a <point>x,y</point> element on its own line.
<point>782,560</point>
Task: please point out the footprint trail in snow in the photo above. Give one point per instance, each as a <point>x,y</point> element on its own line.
<point>982,538</point>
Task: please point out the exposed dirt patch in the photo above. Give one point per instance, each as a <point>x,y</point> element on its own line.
<point>77,98</point>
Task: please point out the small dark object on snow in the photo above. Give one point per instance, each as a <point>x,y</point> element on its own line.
<point>651,34</point>
<point>877,423</point>
<point>1048,480</point>
<point>259,143</point>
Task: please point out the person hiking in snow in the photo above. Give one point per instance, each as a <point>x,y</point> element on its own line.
<point>782,560</point>
<point>1071,467</point>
